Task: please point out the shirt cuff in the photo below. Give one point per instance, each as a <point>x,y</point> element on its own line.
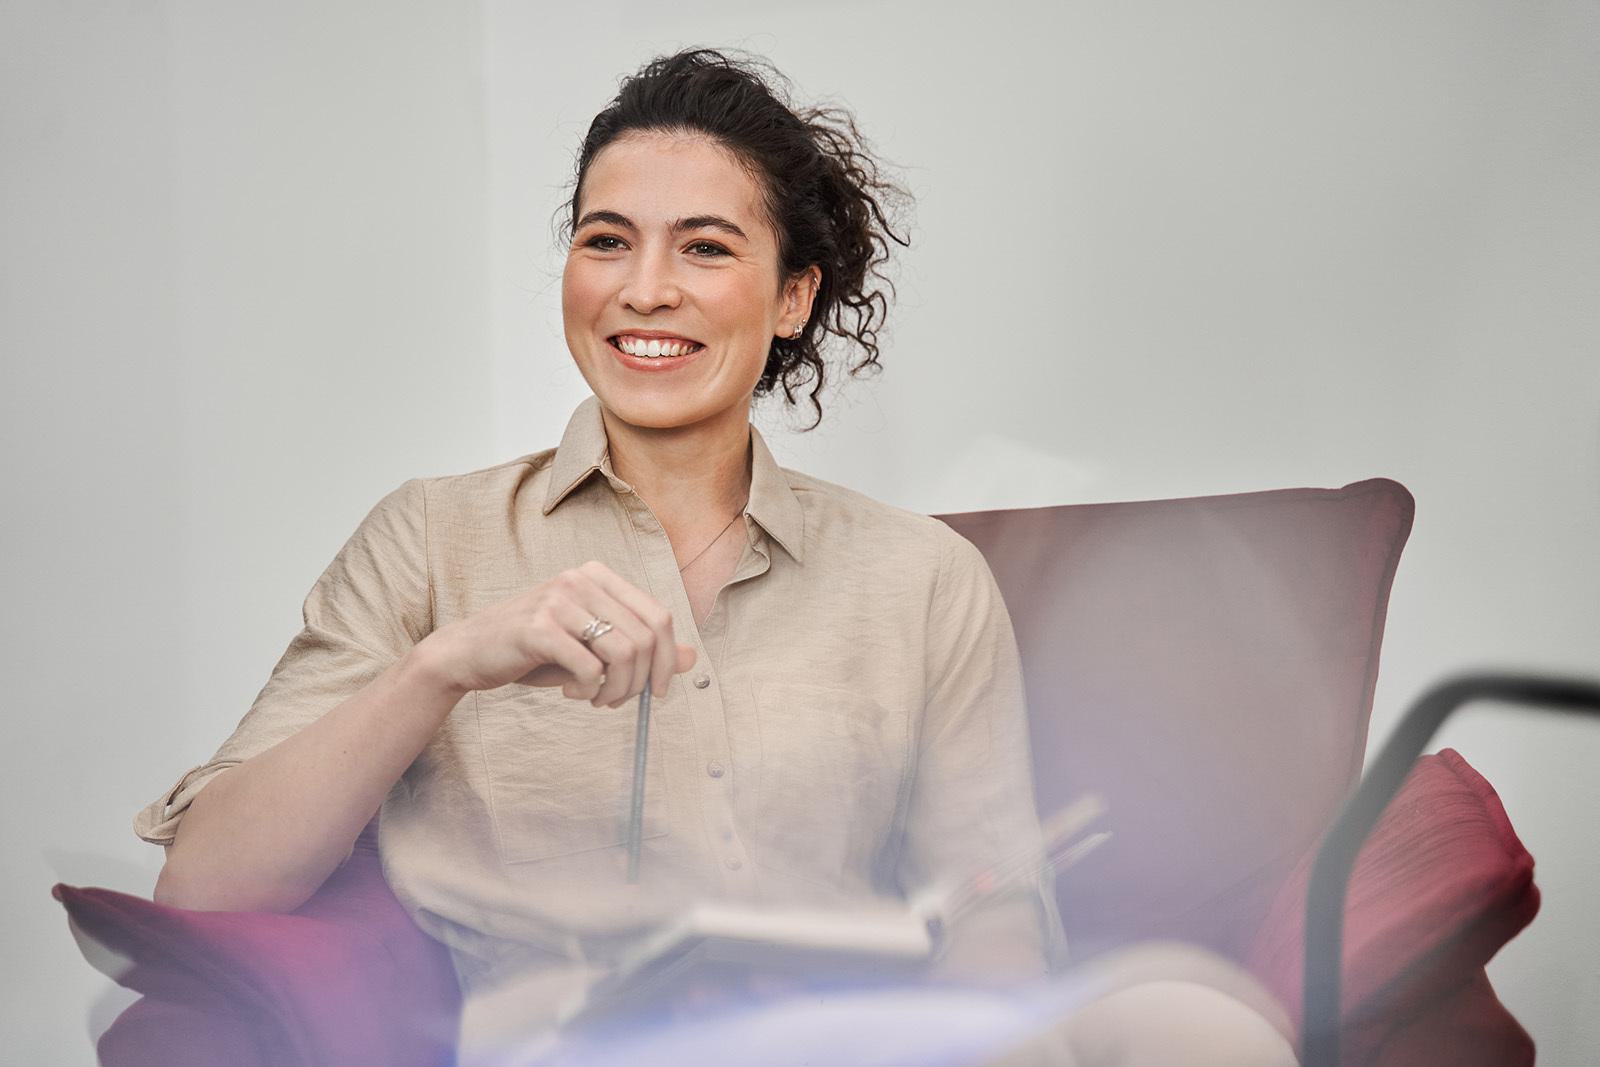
<point>158,822</point>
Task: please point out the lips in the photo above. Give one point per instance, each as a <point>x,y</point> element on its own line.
<point>672,353</point>
<point>654,344</point>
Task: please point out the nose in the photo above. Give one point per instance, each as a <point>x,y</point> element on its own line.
<point>651,283</point>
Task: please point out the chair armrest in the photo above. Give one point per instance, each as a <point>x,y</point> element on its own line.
<point>1440,884</point>
<point>347,978</point>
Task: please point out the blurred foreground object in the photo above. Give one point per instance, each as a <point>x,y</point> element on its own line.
<point>1206,665</point>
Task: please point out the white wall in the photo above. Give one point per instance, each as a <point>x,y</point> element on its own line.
<point>243,297</point>
<point>261,264</point>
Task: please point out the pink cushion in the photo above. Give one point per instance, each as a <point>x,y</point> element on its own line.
<point>1438,887</point>
<point>347,979</point>
<point>169,1033</point>
<point>1467,1027</point>
<point>1207,665</point>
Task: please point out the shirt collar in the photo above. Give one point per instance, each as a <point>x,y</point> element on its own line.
<point>582,452</point>
<point>772,500</point>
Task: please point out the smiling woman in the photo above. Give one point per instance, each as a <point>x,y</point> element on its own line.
<point>809,199</point>
<point>671,316</point>
<point>839,716</point>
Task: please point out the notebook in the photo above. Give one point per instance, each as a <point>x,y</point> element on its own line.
<point>889,942</point>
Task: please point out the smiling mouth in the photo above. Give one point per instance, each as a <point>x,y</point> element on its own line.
<point>654,347</point>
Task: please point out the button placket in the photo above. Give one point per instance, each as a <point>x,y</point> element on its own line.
<point>717,782</point>
<point>706,711</point>
<point>717,797</point>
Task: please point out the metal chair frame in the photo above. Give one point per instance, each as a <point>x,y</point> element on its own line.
<point>1330,874</point>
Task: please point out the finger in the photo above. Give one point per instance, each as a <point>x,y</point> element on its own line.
<point>548,675</point>
<point>630,657</point>
<point>591,584</point>
<point>561,648</point>
<point>617,648</point>
<point>649,610</point>
<point>638,653</point>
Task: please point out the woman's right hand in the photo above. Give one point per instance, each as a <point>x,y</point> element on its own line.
<point>532,638</point>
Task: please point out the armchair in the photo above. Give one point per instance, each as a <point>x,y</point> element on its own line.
<point>1206,664</point>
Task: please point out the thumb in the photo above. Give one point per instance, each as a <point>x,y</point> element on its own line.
<point>686,658</point>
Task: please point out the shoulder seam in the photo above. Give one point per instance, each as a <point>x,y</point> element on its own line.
<point>427,559</point>
<point>933,602</point>
<point>532,459</point>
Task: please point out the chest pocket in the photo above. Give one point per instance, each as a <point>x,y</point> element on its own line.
<point>561,773</point>
<point>833,763</point>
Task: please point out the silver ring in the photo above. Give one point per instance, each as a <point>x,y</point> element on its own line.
<point>596,629</point>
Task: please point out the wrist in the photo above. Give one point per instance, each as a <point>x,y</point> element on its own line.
<point>422,667</point>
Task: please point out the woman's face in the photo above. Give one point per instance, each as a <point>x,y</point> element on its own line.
<point>670,297</point>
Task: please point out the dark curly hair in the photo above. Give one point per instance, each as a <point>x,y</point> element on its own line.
<point>825,195</point>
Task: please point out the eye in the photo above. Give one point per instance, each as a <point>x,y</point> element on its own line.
<point>707,248</point>
<point>604,242</point>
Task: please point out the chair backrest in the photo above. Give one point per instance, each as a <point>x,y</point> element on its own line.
<point>1207,665</point>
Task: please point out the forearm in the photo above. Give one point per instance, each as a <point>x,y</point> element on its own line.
<point>264,835</point>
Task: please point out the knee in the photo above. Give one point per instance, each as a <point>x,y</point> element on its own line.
<point>1166,1023</point>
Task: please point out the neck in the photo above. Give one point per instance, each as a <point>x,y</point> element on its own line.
<point>687,475</point>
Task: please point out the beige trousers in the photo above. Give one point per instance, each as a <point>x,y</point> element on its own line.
<point>1164,1004</point>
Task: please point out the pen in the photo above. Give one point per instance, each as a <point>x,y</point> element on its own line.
<point>636,811</point>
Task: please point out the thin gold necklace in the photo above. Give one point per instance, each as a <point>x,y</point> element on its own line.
<point>714,540</point>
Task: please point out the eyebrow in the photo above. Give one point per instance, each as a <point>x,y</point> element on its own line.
<point>693,222</point>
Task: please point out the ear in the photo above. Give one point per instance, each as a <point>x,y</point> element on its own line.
<point>799,294</point>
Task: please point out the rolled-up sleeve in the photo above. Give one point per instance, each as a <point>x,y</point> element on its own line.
<point>370,605</point>
<point>971,802</point>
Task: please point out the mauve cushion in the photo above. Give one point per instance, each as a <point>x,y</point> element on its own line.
<point>346,979</point>
<point>1207,665</point>
<point>1440,884</point>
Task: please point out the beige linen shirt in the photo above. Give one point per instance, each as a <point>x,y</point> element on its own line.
<point>853,727</point>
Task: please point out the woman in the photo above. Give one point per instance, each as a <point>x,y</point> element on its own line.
<point>838,706</point>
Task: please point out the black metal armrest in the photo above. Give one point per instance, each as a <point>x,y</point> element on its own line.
<point>1330,874</point>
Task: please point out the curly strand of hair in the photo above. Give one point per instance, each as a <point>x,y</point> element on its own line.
<point>859,309</point>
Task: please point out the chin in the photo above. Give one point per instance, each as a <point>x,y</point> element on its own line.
<point>662,412</point>
<point>672,408</point>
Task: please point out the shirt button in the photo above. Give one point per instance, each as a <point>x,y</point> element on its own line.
<point>701,681</point>
<point>734,863</point>
<point>714,769</point>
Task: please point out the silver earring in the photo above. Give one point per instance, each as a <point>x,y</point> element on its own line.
<point>799,328</point>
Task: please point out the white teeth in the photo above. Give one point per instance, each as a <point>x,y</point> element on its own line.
<point>653,348</point>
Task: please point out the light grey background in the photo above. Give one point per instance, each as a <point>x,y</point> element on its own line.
<point>261,263</point>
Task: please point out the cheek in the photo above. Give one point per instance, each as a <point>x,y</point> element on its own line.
<point>745,305</point>
<point>582,289</point>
